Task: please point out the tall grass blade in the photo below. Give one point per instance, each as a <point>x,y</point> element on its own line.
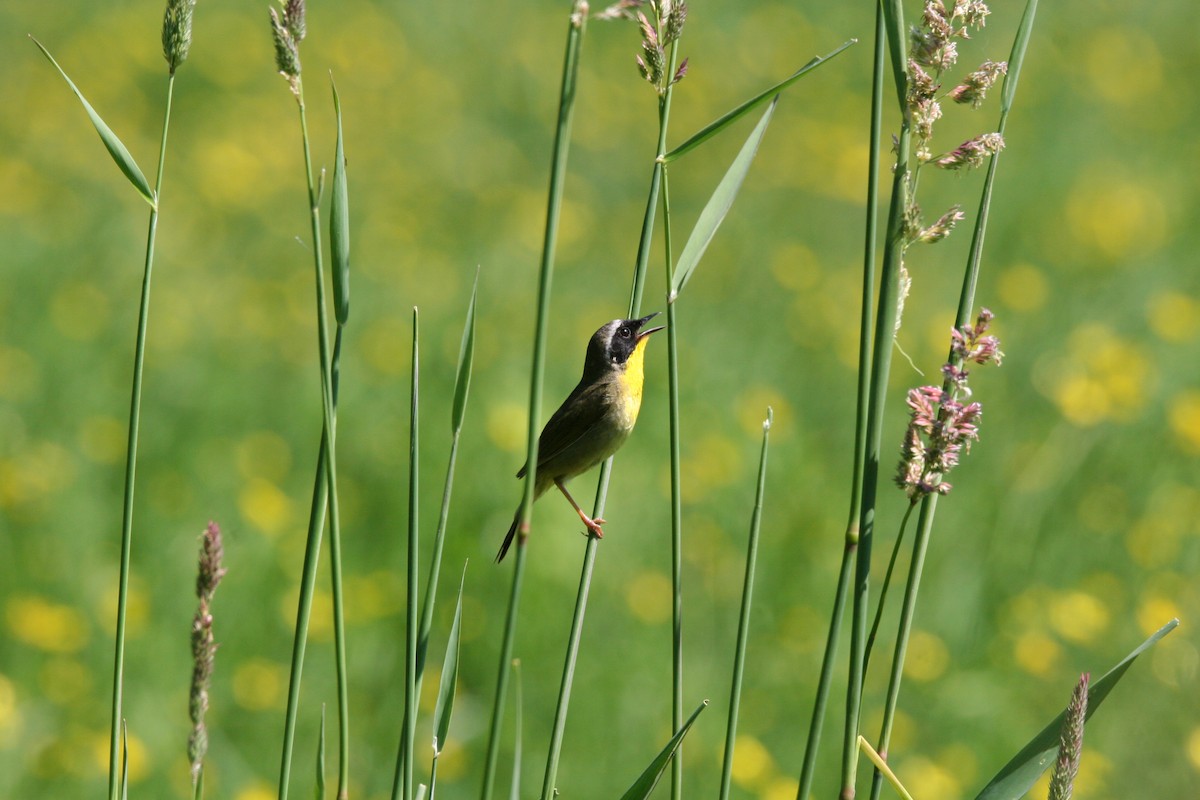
<point>1019,774</point>
<point>319,793</point>
<point>115,147</point>
<point>577,25</point>
<point>466,359</point>
<point>718,206</point>
<point>646,782</point>
<point>897,38</point>
<point>445,700</point>
<point>339,222</point>
<point>739,659</point>
<point>716,126</point>
<point>1017,57</point>
<point>405,761</point>
<point>866,314</point>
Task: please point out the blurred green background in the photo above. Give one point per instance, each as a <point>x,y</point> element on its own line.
<point>1073,531</point>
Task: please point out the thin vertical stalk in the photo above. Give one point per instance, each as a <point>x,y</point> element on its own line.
<point>907,612</point>
<point>739,658</point>
<point>589,556</point>
<point>410,649</point>
<point>850,545</point>
<point>558,171</point>
<point>329,467</point>
<point>568,675</point>
<point>506,656</point>
<point>885,325</point>
<point>135,414</point>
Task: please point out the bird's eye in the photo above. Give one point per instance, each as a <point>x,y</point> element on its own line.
<point>625,332</point>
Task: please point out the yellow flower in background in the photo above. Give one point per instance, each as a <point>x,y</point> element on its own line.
<point>258,685</point>
<point>648,596</point>
<point>10,714</point>
<point>265,506</point>
<point>1098,376</point>
<point>1022,288</point>
<point>1078,616</point>
<point>47,626</point>
<point>753,766</point>
<point>1173,316</point>
<point>927,657</point>
<point>929,780</point>
<point>1183,413</point>
<point>1036,653</point>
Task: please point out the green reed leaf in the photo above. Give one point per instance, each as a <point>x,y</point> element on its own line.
<point>1017,57</point>
<point>445,699</point>
<point>339,222</point>
<point>718,206</point>
<point>724,121</point>
<point>466,357</point>
<point>1019,774</point>
<point>116,149</point>
<point>646,782</point>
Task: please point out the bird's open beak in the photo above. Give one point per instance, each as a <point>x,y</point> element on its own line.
<point>642,334</point>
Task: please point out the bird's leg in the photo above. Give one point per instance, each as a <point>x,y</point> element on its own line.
<point>593,525</point>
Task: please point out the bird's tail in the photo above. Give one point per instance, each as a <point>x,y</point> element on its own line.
<point>508,537</point>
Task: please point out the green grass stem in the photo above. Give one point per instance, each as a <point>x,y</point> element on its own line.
<point>328,470</point>
<point>404,762</point>
<point>515,787</point>
<point>903,633</point>
<point>558,170</point>
<point>743,634</point>
<point>867,312</point>
<point>881,362</point>
<point>131,445</point>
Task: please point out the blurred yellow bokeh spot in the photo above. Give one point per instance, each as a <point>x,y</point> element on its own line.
<point>712,462</point>
<point>1036,653</point>
<point>929,780</point>
<point>265,506</point>
<point>752,763</point>
<point>10,714</point>
<point>1193,748</point>
<point>1078,616</point>
<point>506,423</point>
<point>1173,316</point>
<point>387,345</point>
<point>1183,412</point>
<point>1114,217</point>
<point>648,596</point>
<point>1103,377</point>
<point>1154,611</point>
<point>258,684</point>
<point>752,405</point>
<point>927,657</point>
<point>256,791</point>
<point>1022,288</point>
<point>47,626</point>
<point>135,750</point>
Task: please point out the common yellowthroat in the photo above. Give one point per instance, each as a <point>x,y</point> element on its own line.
<point>596,418</point>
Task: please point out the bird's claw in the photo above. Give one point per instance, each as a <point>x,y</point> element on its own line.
<point>593,526</point>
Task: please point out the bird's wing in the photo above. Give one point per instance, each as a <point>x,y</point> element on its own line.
<point>579,414</point>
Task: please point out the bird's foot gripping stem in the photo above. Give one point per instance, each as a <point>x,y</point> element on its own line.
<point>593,525</point>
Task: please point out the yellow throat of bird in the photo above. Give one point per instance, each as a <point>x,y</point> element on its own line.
<point>631,381</point>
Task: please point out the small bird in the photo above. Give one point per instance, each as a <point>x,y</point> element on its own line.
<point>595,419</point>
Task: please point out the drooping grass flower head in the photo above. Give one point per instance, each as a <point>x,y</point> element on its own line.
<point>659,31</point>
<point>941,424</point>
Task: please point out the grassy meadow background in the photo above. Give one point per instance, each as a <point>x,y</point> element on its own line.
<point>1073,531</point>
